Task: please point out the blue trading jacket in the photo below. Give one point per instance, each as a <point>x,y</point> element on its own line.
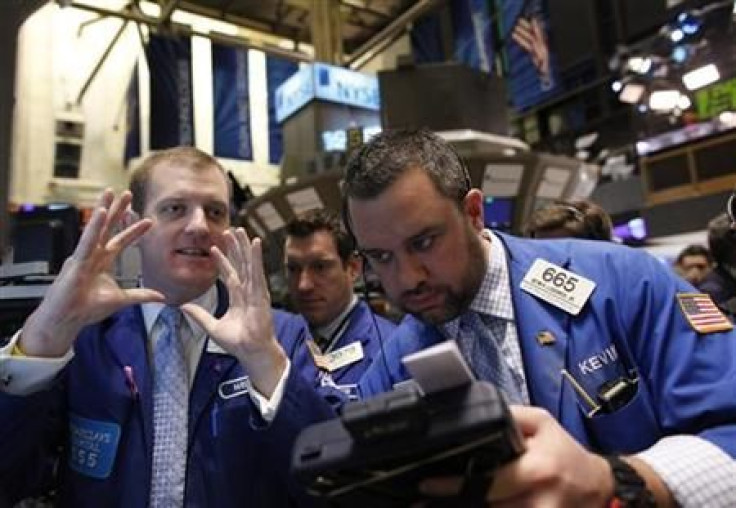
<point>101,421</point>
<point>364,326</point>
<point>632,321</point>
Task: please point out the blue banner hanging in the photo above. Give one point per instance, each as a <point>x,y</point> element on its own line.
<point>231,103</point>
<point>472,40</point>
<point>278,70</point>
<point>172,104</point>
<point>132,119</point>
<point>532,70</point>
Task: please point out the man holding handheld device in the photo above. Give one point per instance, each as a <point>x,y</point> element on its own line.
<point>634,393</point>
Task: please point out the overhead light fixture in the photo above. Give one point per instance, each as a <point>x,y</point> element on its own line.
<point>664,100</point>
<point>700,77</point>
<point>679,54</point>
<point>727,117</point>
<point>586,141</point>
<point>632,93</point>
<point>616,86</point>
<point>689,24</point>
<point>639,64</point>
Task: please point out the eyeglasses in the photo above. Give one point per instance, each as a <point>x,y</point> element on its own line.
<point>731,208</point>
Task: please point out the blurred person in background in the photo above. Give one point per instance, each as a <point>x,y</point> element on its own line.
<point>693,263</point>
<point>570,219</point>
<point>720,282</point>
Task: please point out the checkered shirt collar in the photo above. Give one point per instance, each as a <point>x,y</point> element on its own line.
<point>494,294</point>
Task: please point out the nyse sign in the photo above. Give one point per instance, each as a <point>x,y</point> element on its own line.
<point>328,83</point>
<point>344,86</point>
<point>294,93</point>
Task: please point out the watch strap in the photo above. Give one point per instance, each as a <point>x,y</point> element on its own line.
<point>630,490</point>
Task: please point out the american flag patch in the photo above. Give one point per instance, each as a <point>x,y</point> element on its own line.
<point>702,313</point>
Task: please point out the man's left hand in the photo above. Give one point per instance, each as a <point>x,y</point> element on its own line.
<point>246,329</point>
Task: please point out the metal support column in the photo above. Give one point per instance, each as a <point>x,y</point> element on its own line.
<point>326,31</point>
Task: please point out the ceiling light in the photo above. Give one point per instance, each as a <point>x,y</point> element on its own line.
<point>631,93</point>
<point>664,100</point>
<point>700,77</point>
<point>616,86</point>
<point>640,65</point>
<point>679,54</point>
<point>689,24</point>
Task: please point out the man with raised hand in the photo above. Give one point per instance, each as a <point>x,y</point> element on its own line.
<point>162,395</point>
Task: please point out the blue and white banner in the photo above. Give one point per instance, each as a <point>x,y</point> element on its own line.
<point>472,34</point>
<point>132,119</point>
<point>172,105</point>
<point>231,103</point>
<point>426,40</point>
<point>532,69</point>
<point>472,37</point>
<point>278,70</point>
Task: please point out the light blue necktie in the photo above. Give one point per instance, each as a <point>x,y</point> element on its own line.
<point>481,350</point>
<point>170,413</point>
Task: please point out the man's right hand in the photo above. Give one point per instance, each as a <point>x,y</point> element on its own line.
<point>85,291</point>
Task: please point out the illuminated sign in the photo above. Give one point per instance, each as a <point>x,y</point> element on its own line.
<point>294,93</point>
<point>716,99</point>
<point>328,83</point>
<point>337,140</point>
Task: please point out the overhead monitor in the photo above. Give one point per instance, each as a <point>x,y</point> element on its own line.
<point>45,233</point>
<point>498,212</point>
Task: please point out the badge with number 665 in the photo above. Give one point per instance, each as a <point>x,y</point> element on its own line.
<point>553,284</point>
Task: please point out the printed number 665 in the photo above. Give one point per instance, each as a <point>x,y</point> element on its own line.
<point>560,279</point>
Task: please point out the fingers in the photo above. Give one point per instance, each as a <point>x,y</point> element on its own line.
<point>142,295</point>
<point>201,316</point>
<point>109,211</point>
<point>229,275</point>
<point>91,234</point>
<point>528,418</point>
<point>258,274</point>
<point>129,235</point>
<point>245,247</point>
<point>115,213</point>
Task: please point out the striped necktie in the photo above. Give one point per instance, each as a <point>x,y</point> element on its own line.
<point>170,413</point>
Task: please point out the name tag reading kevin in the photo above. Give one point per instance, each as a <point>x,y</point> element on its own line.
<point>553,284</point>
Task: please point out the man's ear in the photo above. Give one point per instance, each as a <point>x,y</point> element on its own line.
<point>473,207</point>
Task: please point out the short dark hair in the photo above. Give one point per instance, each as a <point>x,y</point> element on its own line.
<point>694,250</point>
<point>388,155</point>
<point>580,219</point>
<point>320,219</point>
<point>186,156</point>
<point>722,240</point>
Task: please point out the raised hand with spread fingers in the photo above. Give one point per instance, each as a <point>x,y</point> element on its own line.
<point>85,291</point>
<point>246,329</point>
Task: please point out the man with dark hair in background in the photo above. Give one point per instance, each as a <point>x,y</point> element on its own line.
<point>574,219</point>
<point>321,269</point>
<point>720,282</point>
<point>670,438</point>
<point>693,263</point>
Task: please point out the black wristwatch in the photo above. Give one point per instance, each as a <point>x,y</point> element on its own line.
<point>629,490</point>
